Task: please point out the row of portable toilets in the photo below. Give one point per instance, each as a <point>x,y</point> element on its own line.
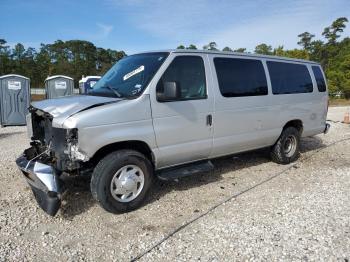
<point>15,94</point>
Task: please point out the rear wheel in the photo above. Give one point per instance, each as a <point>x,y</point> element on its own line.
<point>121,180</point>
<point>286,149</point>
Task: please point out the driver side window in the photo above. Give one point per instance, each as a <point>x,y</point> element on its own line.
<point>188,73</point>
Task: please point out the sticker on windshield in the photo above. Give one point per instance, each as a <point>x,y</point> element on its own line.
<point>136,90</point>
<point>134,72</point>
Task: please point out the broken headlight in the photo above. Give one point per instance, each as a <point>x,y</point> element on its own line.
<point>72,149</point>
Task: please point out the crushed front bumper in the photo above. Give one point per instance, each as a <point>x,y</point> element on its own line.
<point>46,185</point>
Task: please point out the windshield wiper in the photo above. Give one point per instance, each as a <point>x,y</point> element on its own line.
<point>114,91</point>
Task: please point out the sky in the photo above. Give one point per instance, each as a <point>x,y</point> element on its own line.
<point>140,25</point>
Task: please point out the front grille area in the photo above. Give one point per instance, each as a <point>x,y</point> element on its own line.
<point>41,126</point>
<point>55,142</point>
<point>45,137</point>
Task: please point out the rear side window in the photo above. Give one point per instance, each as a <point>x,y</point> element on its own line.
<point>321,84</point>
<point>287,78</point>
<point>240,77</point>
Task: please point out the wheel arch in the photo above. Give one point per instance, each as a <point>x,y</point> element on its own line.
<point>137,145</point>
<point>296,123</point>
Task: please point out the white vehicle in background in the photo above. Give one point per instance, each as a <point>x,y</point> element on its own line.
<point>167,114</point>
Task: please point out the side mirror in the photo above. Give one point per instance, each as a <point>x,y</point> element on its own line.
<point>171,91</point>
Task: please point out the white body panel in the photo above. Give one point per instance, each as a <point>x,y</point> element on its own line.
<point>180,126</point>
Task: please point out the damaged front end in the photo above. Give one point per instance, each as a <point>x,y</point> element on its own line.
<point>42,178</point>
<point>53,152</point>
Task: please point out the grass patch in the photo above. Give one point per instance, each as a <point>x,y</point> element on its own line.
<point>339,102</point>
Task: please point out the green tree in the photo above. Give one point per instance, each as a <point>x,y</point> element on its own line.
<point>332,33</point>
<point>227,49</point>
<point>180,47</point>
<point>211,46</point>
<point>5,61</point>
<point>263,49</point>
<point>338,68</point>
<point>317,49</point>
<point>279,51</point>
<point>72,58</point>
<point>297,53</point>
<point>240,50</point>
<point>191,46</point>
<point>17,57</point>
<point>305,40</point>
<point>29,64</point>
<point>81,56</point>
<point>44,67</point>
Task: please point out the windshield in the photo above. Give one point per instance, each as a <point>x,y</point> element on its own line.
<point>129,76</point>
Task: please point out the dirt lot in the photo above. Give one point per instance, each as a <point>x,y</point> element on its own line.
<point>247,208</point>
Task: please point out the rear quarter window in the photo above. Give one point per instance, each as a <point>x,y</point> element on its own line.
<point>240,77</point>
<point>288,78</point>
<point>321,83</point>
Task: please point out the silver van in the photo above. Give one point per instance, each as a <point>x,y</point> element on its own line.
<point>166,114</point>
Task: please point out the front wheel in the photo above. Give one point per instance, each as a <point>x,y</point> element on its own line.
<point>286,149</point>
<point>121,180</point>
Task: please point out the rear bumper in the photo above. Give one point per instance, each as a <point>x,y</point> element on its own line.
<point>46,185</point>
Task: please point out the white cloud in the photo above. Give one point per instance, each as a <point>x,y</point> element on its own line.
<point>104,30</point>
<point>100,32</point>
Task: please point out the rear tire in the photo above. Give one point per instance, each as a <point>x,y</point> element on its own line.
<point>121,180</point>
<point>286,149</point>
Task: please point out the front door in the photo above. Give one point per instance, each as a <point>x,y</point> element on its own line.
<point>183,126</point>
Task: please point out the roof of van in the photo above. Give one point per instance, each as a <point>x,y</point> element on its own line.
<point>187,51</point>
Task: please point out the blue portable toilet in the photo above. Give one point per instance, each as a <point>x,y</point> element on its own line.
<point>87,83</point>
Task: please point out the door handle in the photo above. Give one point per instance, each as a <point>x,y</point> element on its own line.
<point>209,120</point>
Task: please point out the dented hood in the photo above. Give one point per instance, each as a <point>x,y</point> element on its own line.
<point>64,107</point>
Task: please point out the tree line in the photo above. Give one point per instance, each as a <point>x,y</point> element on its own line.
<point>71,58</point>
<point>331,52</point>
<point>76,57</point>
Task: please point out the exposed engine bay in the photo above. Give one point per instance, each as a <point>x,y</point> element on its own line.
<point>51,145</point>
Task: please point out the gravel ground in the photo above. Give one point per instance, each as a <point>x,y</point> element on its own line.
<point>337,113</point>
<point>248,208</point>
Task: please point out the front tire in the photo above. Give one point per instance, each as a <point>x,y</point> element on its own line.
<point>286,149</point>
<point>121,180</point>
